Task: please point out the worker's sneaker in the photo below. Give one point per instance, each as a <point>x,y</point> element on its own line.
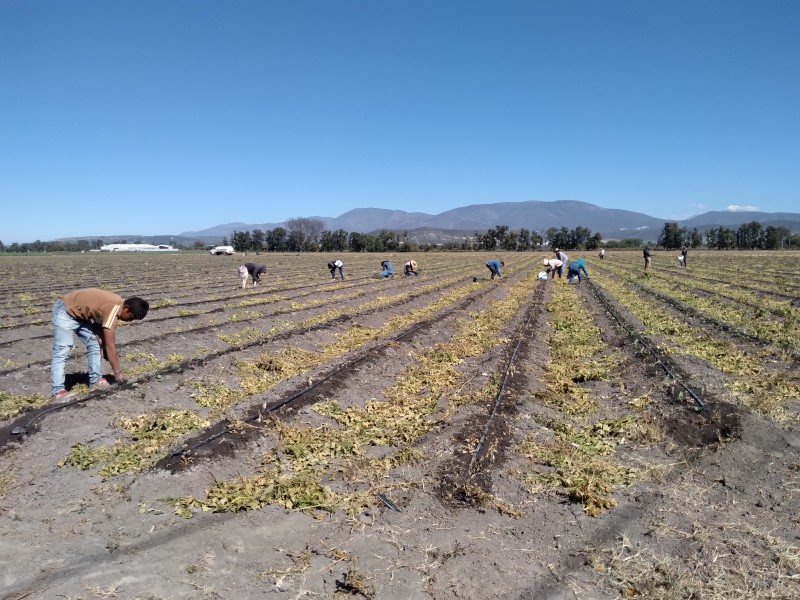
<point>100,384</point>
<point>62,396</point>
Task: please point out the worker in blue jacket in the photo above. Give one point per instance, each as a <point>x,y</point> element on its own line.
<point>575,268</point>
<point>494,267</point>
<point>388,269</point>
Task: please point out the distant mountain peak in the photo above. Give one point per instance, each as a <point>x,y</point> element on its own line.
<point>535,215</point>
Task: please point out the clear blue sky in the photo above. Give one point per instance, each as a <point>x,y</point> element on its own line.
<point>158,117</point>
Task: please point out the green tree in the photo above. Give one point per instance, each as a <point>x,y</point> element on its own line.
<point>594,242</point>
<point>510,240</point>
<point>524,239</point>
<point>558,238</point>
<point>386,240</point>
<point>257,240</point>
<point>749,236</point>
<point>672,236</point>
<point>240,241</point>
<point>775,238</point>
<point>696,239</point>
<point>333,241</point>
<point>579,237</point>
<point>296,241</point>
<point>275,239</point>
<point>358,242</point>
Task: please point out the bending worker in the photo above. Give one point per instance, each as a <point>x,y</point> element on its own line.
<point>253,270</point>
<point>410,268</point>
<point>494,266</point>
<point>333,266</point>
<point>553,265</point>
<point>92,314</point>
<point>575,268</point>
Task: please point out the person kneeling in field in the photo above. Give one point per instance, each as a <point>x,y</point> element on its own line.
<point>410,268</point>
<point>93,315</point>
<point>253,270</point>
<point>575,268</point>
<point>388,269</point>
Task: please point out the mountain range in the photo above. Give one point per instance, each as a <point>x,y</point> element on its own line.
<point>534,215</point>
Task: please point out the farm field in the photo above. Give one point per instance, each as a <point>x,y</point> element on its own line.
<point>634,436</point>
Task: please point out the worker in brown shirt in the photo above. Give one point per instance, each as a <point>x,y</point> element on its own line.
<point>93,315</point>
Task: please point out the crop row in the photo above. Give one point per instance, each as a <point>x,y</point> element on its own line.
<point>775,320</point>
<point>752,380</point>
<point>176,281</point>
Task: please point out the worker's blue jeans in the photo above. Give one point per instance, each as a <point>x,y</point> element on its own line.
<point>64,325</point>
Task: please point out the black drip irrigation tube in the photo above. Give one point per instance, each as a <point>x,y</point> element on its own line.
<point>645,344</point>
<point>23,429</point>
<point>20,430</point>
<point>289,399</point>
<point>191,363</point>
<point>506,374</point>
<point>154,338</point>
<point>683,307</point>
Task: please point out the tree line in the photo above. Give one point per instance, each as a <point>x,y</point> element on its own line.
<point>748,236</point>
<point>309,235</point>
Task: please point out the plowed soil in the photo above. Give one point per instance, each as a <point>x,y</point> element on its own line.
<point>711,511</point>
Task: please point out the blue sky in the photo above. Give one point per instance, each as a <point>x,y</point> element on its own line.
<point>159,117</point>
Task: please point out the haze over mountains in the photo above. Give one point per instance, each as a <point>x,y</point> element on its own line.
<point>534,215</point>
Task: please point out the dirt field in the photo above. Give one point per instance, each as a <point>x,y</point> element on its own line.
<point>634,436</point>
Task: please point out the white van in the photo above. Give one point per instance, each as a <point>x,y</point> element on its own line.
<point>217,250</point>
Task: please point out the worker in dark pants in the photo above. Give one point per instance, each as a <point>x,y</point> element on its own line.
<point>494,267</point>
<point>253,270</point>
<point>336,265</point>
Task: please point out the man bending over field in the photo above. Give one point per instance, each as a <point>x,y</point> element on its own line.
<point>254,271</point>
<point>494,267</point>
<point>93,315</point>
<point>335,265</point>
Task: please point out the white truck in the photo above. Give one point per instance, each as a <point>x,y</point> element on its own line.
<point>218,250</point>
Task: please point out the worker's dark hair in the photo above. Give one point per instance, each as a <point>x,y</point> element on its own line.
<point>138,307</point>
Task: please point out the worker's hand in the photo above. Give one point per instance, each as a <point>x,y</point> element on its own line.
<point>119,376</point>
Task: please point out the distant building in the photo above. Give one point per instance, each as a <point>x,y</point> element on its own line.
<point>138,248</point>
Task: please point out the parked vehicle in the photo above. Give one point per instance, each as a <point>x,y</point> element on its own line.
<point>217,250</point>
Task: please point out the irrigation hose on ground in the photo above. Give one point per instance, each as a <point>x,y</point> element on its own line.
<point>625,326</point>
<point>507,373</point>
<point>288,400</point>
